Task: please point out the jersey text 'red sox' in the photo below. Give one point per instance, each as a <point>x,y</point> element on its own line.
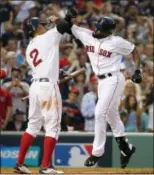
<point>102,52</point>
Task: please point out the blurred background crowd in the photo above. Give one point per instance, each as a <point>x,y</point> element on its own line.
<point>134,22</point>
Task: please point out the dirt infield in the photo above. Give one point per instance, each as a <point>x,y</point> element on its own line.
<point>92,171</point>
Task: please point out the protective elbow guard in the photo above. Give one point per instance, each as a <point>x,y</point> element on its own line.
<point>64,26</point>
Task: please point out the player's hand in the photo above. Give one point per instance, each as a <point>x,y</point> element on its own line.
<point>137,77</point>
<point>18,84</point>
<point>52,19</point>
<point>70,114</point>
<point>71,13</point>
<point>62,74</point>
<point>14,83</point>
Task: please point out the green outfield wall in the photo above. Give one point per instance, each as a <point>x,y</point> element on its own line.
<point>74,147</point>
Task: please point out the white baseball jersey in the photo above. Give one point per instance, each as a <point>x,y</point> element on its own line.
<point>105,54</point>
<point>42,54</point>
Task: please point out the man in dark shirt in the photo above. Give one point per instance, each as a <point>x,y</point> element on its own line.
<point>71,116</point>
<point>6,11</point>
<point>18,123</point>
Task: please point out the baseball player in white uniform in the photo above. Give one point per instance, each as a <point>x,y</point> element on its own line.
<point>45,106</point>
<point>105,53</point>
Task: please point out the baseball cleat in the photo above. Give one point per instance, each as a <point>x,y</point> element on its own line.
<point>125,158</point>
<point>91,161</point>
<point>50,170</point>
<point>21,169</point>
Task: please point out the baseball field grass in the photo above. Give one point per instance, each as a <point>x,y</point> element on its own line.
<point>91,170</point>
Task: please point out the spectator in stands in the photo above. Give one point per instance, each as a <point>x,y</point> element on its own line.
<point>3,58</point>
<point>5,104</point>
<point>80,84</point>
<point>83,62</point>
<point>6,13</point>
<point>71,115</point>
<point>11,45</point>
<point>149,103</point>
<point>6,19</point>
<point>6,107</point>
<point>64,88</point>
<point>18,123</point>
<point>88,105</point>
<point>24,73</point>
<point>18,89</point>
<point>144,120</point>
<point>128,61</point>
<point>22,9</point>
<point>20,57</point>
<point>132,121</point>
<point>132,89</point>
<point>11,62</point>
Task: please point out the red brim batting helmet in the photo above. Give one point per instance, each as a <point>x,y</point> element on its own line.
<point>105,24</point>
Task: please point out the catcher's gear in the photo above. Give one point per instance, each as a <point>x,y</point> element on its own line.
<point>137,78</point>
<point>105,24</point>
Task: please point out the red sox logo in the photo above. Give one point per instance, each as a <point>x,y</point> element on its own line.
<point>102,52</point>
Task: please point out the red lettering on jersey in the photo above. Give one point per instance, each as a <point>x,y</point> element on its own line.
<point>108,54</point>
<point>102,52</point>
<point>105,53</point>
<point>92,49</point>
<point>89,48</point>
<point>34,55</point>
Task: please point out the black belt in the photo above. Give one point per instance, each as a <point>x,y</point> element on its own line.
<point>103,76</point>
<point>42,79</point>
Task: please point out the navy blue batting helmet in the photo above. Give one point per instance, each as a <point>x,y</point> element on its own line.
<point>105,24</point>
<point>32,25</point>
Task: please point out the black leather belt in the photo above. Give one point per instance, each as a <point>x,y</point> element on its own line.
<point>103,76</point>
<point>42,79</point>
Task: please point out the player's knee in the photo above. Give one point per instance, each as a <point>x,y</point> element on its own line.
<point>100,113</point>
<point>53,132</point>
<point>33,130</point>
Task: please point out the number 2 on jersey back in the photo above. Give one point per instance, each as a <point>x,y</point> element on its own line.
<point>34,55</point>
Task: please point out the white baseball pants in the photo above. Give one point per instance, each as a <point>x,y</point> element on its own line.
<point>109,95</point>
<point>45,109</point>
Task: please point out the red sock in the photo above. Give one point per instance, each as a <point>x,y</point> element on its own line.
<point>25,143</point>
<point>49,145</point>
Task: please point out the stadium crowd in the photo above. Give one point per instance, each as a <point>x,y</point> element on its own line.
<point>134,22</point>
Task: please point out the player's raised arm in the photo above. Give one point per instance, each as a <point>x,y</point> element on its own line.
<point>63,25</point>
<point>66,25</point>
<point>81,33</point>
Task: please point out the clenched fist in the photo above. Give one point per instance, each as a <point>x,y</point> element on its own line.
<point>137,77</point>
<point>71,13</point>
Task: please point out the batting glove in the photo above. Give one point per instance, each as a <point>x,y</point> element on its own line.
<point>137,77</point>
